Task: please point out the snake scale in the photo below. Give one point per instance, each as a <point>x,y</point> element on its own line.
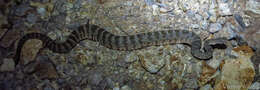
<point>122,43</point>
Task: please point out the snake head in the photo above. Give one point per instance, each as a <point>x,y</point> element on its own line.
<point>206,52</point>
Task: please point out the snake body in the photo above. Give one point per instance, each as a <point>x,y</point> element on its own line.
<point>122,43</point>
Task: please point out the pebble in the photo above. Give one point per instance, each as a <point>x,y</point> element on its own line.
<point>204,24</point>
<point>253,5</point>
<point>256,61</point>
<point>22,10</point>
<point>191,84</point>
<point>125,87</point>
<point>30,50</point>
<point>195,26</point>
<point>208,73</point>
<point>206,87</point>
<point>3,19</point>
<point>43,68</point>
<point>214,63</point>
<point>252,35</point>
<point>221,20</point>
<point>44,1</point>
<point>165,9</point>
<point>255,86</point>
<point>212,11</point>
<point>149,2</point>
<point>2,32</point>
<point>240,21</point>
<point>213,4</point>
<point>198,17</point>
<point>190,13</point>
<point>213,18</point>
<point>215,27</point>
<point>237,73</point>
<point>228,31</point>
<point>8,65</point>
<point>129,58</point>
<point>155,9</point>
<point>9,37</point>
<point>152,64</point>
<point>41,11</point>
<point>31,18</point>
<point>95,78</point>
<point>117,87</point>
<point>7,81</point>
<point>224,9</point>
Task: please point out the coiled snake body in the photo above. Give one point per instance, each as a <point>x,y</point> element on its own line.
<point>123,43</point>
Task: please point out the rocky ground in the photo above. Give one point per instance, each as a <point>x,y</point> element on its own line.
<point>90,66</point>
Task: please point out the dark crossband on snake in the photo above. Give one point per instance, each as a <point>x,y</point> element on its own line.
<point>121,43</point>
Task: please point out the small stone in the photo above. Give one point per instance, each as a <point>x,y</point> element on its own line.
<point>31,18</point>
<point>214,63</point>
<point>149,2</point>
<point>190,13</point>
<point>215,27</point>
<point>207,74</point>
<point>228,31</point>
<point>8,65</point>
<point>206,87</point>
<point>86,59</point>
<point>95,78</point>
<point>238,73</point>
<point>213,18</point>
<point>198,17</point>
<point>256,61</point>
<point>22,10</point>
<point>222,20</point>
<point>253,5</point>
<point>164,10</point>
<point>129,58</point>
<point>9,38</point>
<point>240,21</point>
<point>203,1</point>
<point>43,68</point>
<point>212,11</point>
<point>191,83</point>
<point>204,24</point>
<point>125,87</point>
<point>155,9</point>
<point>195,26</point>
<point>252,35</point>
<point>41,11</point>
<point>255,86</point>
<point>2,32</point>
<point>30,50</point>
<point>44,1</point>
<point>224,9</point>
<point>151,63</point>
<point>213,4</point>
<point>3,20</point>
<point>117,87</point>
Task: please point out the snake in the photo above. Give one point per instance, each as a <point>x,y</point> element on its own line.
<point>120,42</point>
